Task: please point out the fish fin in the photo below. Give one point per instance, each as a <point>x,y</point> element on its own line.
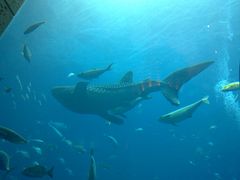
<point>109,67</point>
<point>81,86</point>
<point>127,77</point>
<point>172,83</point>
<point>50,172</point>
<point>205,100</point>
<point>112,118</point>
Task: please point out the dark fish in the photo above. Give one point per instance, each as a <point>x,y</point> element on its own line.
<point>37,171</point>
<point>26,52</point>
<point>1,78</point>
<point>4,164</point>
<point>7,89</point>
<point>93,73</point>
<point>33,27</point>
<point>11,136</point>
<point>4,161</point>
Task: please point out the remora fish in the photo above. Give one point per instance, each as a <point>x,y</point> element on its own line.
<point>85,98</point>
<point>92,169</point>
<point>182,113</point>
<point>11,136</point>
<point>37,170</point>
<point>94,73</point>
<point>33,27</point>
<point>26,52</point>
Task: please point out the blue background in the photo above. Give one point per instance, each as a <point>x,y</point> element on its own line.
<point>151,38</point>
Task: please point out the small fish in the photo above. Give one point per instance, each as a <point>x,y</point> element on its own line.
<point>26,52</point>
<point>71,75</point>
<point>139,129</point>
<point>113,140</point>
<point>234,86</point>
<point>37,140</point>
<point>38,150</point>
<point>56,131</point>
<point>93,73</point>
<point>37,171</point>
<point>182,113</point>
<point>69,171</point>
<point>210,143</point>
<point>23,153</point>
<point>67,141</point>
<point>192,163</point>
<point>62,160</point>
<point>213,127</point>
<point>92,169</point>
<point>11,136</point>
<point>4,164</point>
<point>4,161</point>
<point>59,125</point>
<point>19,82</point>
<point>1,78</point>
<point>33,27</point>
<point>79,148</point>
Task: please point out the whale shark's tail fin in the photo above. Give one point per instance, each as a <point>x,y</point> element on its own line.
<point>172,83</point>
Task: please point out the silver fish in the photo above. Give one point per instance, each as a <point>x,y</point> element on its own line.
<point>37,171</point>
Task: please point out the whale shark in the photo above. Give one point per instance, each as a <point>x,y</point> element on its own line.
<point>86,98</point>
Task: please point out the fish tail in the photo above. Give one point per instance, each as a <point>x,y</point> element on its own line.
<point>173,83</point>
<point>50,172</point>
<point>205,100</point>
<point>109,67</point>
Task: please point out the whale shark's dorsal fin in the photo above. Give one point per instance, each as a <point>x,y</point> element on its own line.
<point>81,87</point>
<point>127,78</point>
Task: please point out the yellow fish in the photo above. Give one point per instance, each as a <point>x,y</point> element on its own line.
<point>231,87</point>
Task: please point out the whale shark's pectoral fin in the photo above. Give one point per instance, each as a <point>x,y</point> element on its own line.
<point>112,118</point>
<point>172,83</point>
<point>127,78</point>
<point>81,87</point>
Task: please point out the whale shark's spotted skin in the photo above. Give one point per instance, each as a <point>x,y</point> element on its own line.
<point>85,98</point>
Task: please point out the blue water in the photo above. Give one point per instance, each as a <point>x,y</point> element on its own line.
<point>151,38</point>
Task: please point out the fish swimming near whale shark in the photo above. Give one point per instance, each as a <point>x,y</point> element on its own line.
<point>94,73</point>
<point>85,98</point>
<point>183,113</point>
